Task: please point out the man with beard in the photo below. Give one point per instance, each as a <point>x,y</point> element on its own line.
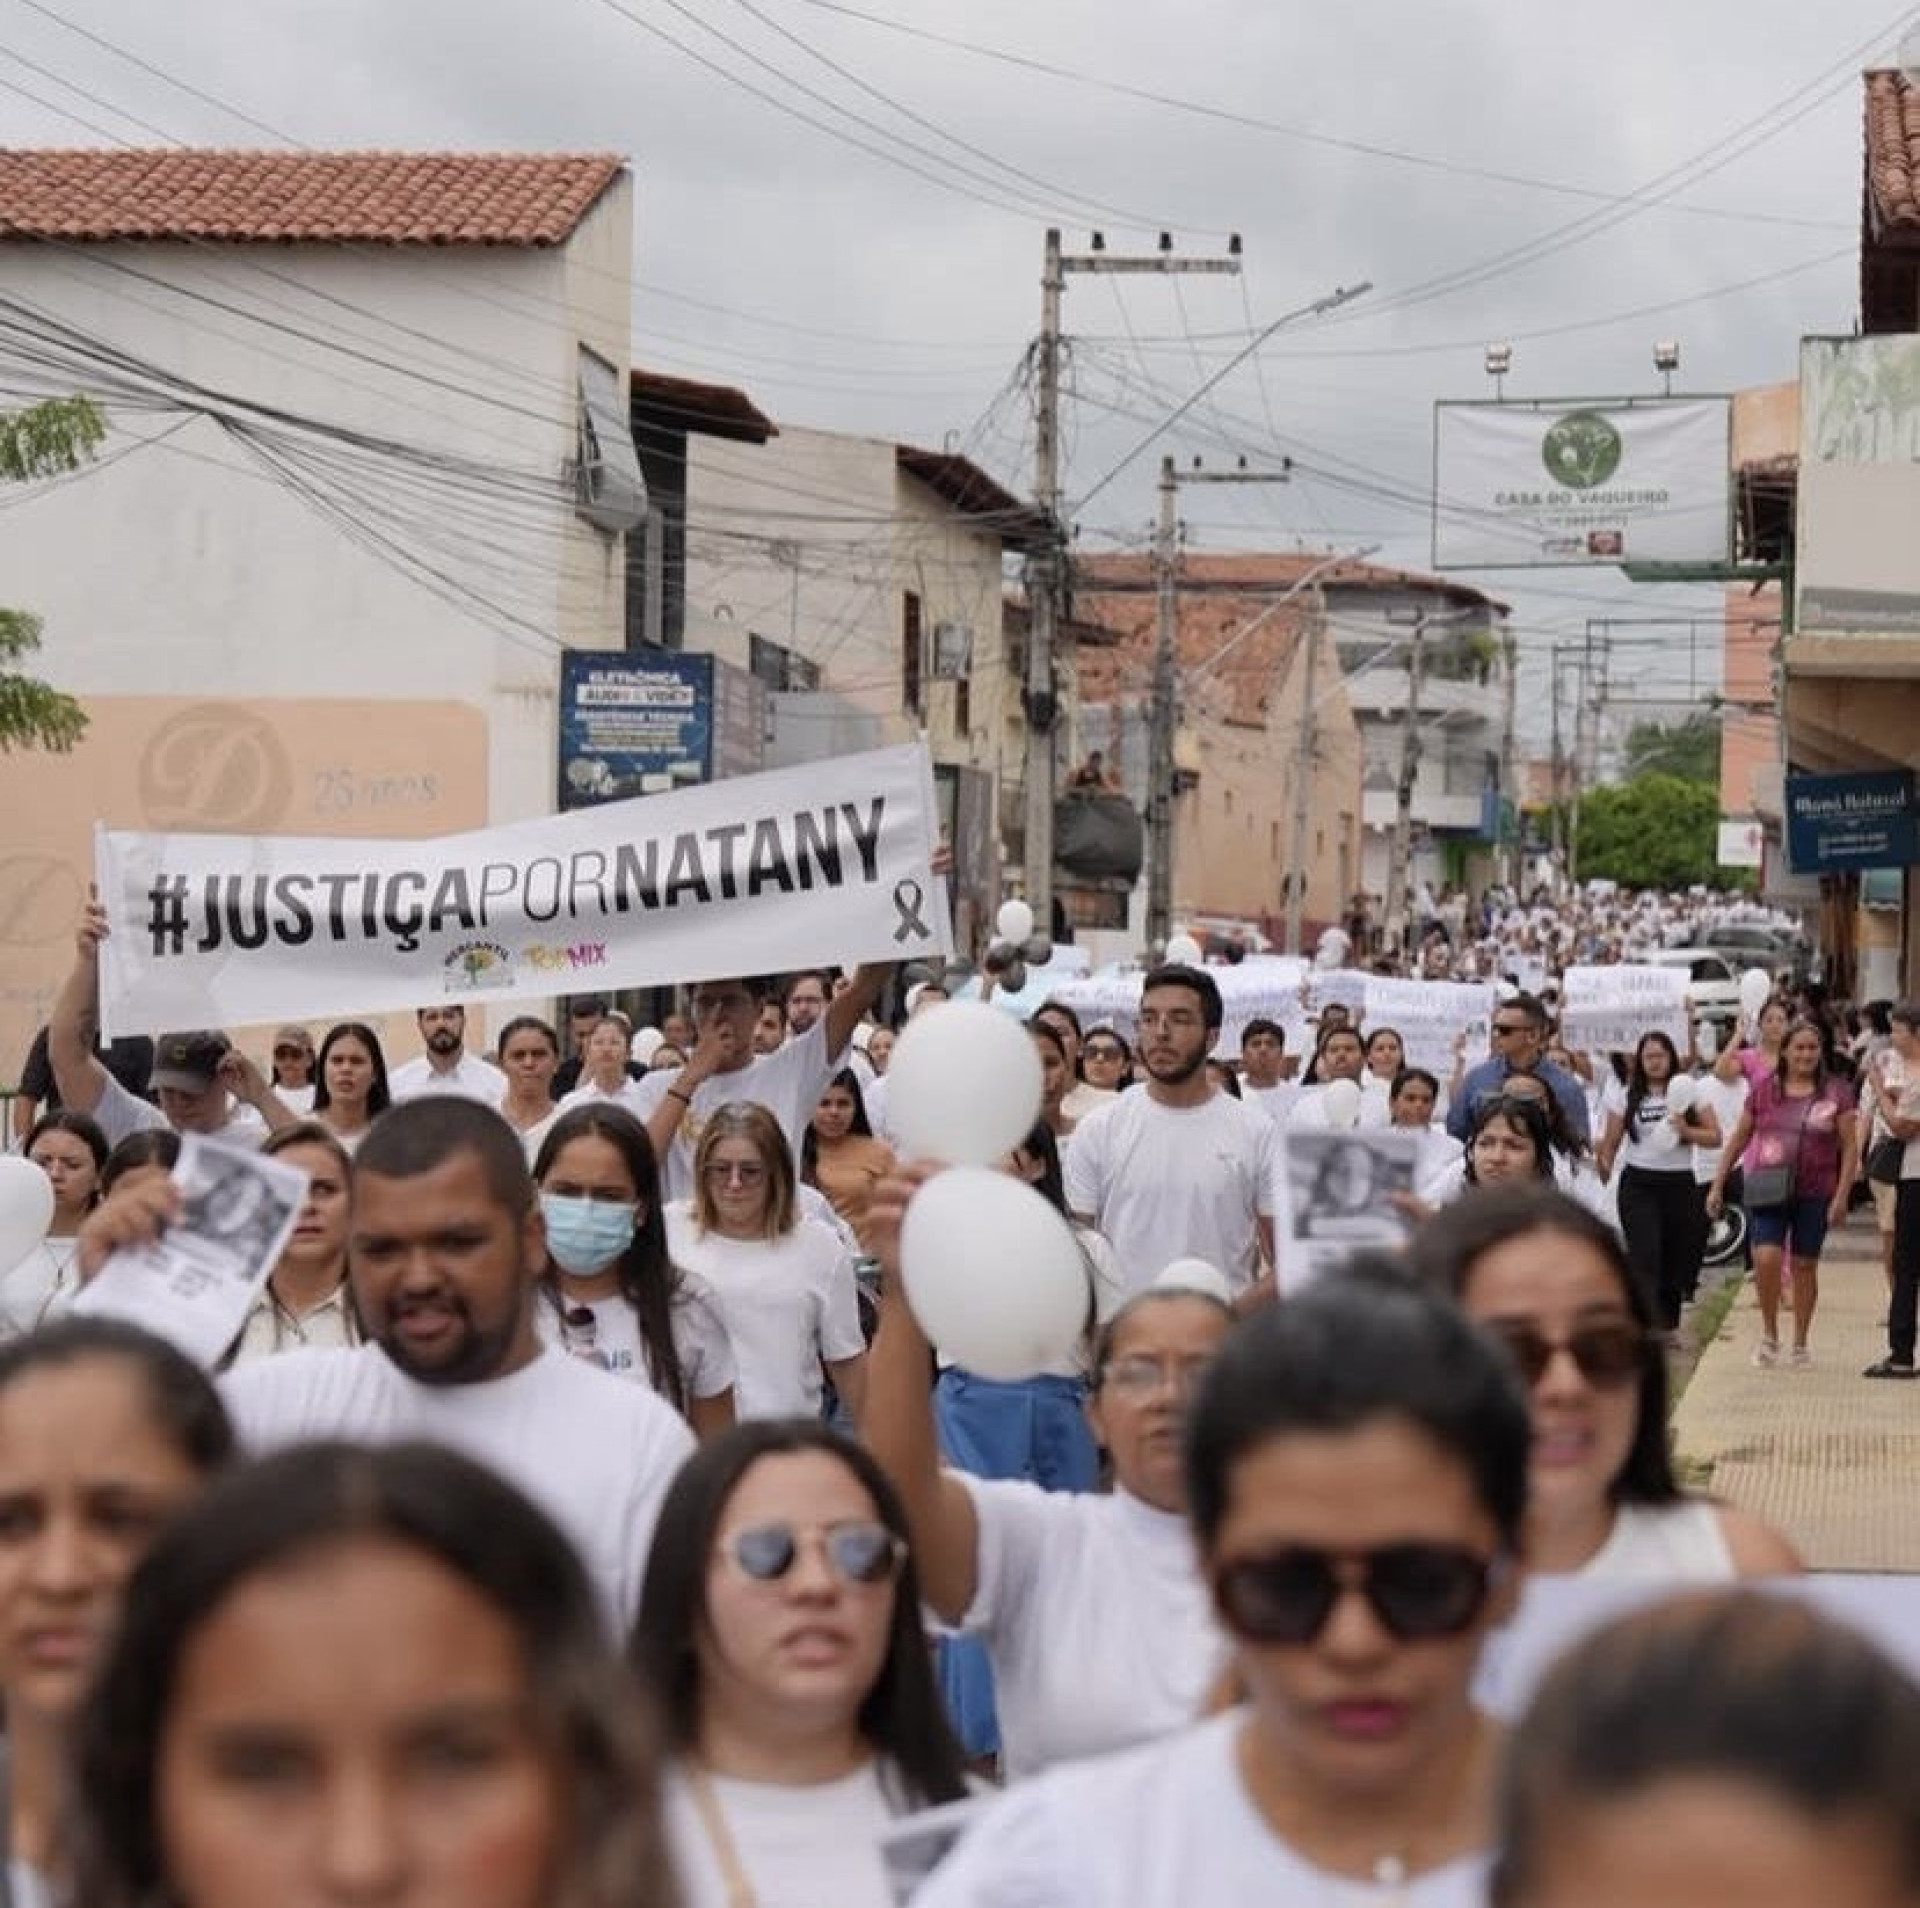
<point>1175,1169</point>
<point>446,1247</point>
<point>447,1066</point>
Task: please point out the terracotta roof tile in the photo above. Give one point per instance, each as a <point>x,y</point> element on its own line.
<point>1893,150</point>
<point>381,198</point>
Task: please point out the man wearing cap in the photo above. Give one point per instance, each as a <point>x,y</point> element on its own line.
<point>447,1066</point>
<point>293,1068</point>
<point>204,1084</point>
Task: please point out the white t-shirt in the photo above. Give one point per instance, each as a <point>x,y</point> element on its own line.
<point>470,1077</point>
<point>626,1096</point>
<point>802,1845</point>
<point>1649,1143</point>
<point>1728,1098</point>
<point>1164,1183</point>
<point>1095,1616</point>
<point>595,1454</point>
<point>1309,1110</point>
<point>788,1082</point>
<point>787,1302</point>
<point>1276,1102</point>
<point>1169,1825</point>
<point>38,1289</point>
<point>699,1337</point>
<point>295,1099</point>
<point>120,1113</point>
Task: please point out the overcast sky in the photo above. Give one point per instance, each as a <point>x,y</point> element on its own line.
<point>893,290</point>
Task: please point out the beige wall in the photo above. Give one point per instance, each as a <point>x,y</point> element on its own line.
<point>1750,722</point>
<point>266,767</point>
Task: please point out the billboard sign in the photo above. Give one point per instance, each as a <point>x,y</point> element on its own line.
<point>1601,481</point>
<point>1857,566</point>
<point>1741,844</point>
<point>1835,822</point>
<point>646,722</point>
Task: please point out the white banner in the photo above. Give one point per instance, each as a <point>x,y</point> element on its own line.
<point>1432,1018</point>
<point>1607,1009</point>
<point>1581,482</point>
<point>803,867</point>
<point>1264,987</point>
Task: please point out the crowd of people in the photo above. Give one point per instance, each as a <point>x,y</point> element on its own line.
<point>581,1516</point>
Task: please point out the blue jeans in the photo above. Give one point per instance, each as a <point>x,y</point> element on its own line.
<point>1036,1429</point>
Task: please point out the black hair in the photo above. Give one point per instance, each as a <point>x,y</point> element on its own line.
<point>577,1008</point>
<point>1637,1085</point>
<point>1375,1033</point>
<point>649,1279</point>
<point>1041,1145</point>
<point>1374,1342</point>
<point>1223,1075</point>
<point>420,1136</point>
<point>1328,1033</point>
<point>83,1126</point>
<point>150,1146</point>
<point>900,1716</point>
<point>861,1126</point>
<point>1768,1692</point>
<point>1059,1007</point>
<point>1263,1026</point>
<point>379,1094</point>
<point>1447,1247</point>
<point>318,1497</point>
<point>1529,1115</point>
<point>1406,1076</point>
<point>532,1023</point>
<point>799,974</point>
<point>1907,1012</point>
<point>1530,1007</point>
<point>186,1409</point>
<point>1197,981</point>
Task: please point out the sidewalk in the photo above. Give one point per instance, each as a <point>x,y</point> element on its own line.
<point>1831,1458</point>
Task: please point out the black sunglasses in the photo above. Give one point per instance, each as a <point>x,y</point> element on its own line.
<point>1610,1352</point>
<point>856,1552</point>
<point>1419,1592</point>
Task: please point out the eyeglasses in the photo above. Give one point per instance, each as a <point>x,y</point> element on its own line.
<point>1609,1352</point>
<point>744,1172</point>
<point>291,1053</point>
<point>858,1553</point>
<point>1512,1026</point>
<point>1105,1053</point>
<point>1418,1592</point>
<point>1141,1377</point>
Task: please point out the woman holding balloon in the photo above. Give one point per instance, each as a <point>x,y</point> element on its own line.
<point>1063,1586</point>
<point>1652,1122</point>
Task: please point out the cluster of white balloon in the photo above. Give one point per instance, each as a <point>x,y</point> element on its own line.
<point>992,1271</point>
<point>26,1209</point>
<point>1015,946</point>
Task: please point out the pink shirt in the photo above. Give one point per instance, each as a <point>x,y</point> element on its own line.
<point>1803,1131</point>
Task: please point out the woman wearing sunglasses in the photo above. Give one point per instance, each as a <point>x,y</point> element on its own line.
<point>780,1628</point>
<point>784,1283</point>
<point>1551,1279</point>
<point>611,1294</point>
<point>1105,1068</point>
<point>1357,1465</point>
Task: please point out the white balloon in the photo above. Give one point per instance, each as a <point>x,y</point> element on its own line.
<point>963,1085</point>
<point>1014,922</point>
<point>1341,1101</point>
<point>26,1209</point>
<point>1756,989</point>
<point>1682,1091</point>
<point>993,1273</point>
<point>1185,950</point>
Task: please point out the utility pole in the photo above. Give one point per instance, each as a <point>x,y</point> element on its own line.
<point>1046,568</point>
<point>1164,725</point>
<point>1303,779</point>
<point>1400,852</point>
<point>1509,860</point>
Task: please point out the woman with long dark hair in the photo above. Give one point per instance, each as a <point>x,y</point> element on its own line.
<point>780,1628</point>
<point>612,1293</point>
<point>350,1082</point>
<point>1797,1145</point>
<point>839,1155</point>
<point>1663,1211</point>
<point>366,1675</point>
<point>105,1433</point>
<point>1551,1279</point>
<point>71,1150</point>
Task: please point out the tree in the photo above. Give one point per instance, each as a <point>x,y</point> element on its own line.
<point>1689,749</point>
<point>45,440</point>
<point>1656,831</point>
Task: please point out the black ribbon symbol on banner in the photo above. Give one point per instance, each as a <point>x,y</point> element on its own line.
<point>908,898</point>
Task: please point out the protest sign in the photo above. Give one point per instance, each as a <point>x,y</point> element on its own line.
<point>195,1284</point>
<point>1336,987</point>
<point>1263,988</point>
<point>803,867</point>
<point>1431,1017</point>
<point>1607,1009</point>
<point>1336,1196</point>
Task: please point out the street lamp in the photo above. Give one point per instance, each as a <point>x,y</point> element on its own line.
<point>1666,360</point>
<point>1499,361</point>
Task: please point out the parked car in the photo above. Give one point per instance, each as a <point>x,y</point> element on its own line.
<point>1785,955</point>
<point>1713,984</point>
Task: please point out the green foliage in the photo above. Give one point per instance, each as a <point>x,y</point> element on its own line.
<point>1689,749</point>
<point>49,439</point>
<point>1656,831</point>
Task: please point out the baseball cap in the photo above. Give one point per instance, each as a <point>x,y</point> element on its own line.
<point>292,1036</point>
<point>188,1062</point>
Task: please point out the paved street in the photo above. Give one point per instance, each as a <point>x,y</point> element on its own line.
<point>1829,1456</point>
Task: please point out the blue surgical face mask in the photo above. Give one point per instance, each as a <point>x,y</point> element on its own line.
<point>585,1235</point>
